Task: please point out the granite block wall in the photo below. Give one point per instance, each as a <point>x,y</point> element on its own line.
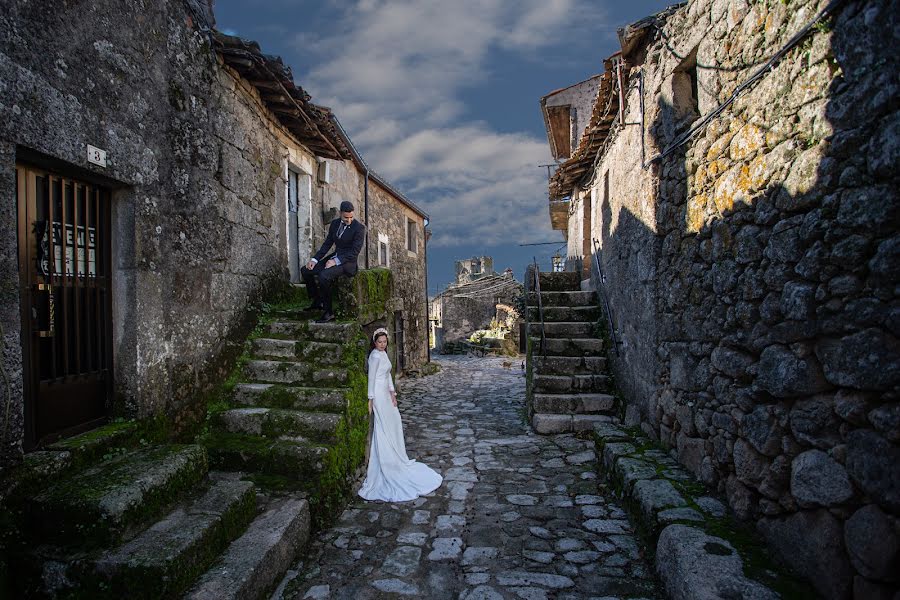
<point>388,220</point>
<point>753,273</point>
<point>196,166</point>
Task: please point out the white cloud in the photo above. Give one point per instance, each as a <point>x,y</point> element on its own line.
<point>393,71</point>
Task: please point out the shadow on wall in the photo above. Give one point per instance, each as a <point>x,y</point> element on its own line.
<point>761,318</point>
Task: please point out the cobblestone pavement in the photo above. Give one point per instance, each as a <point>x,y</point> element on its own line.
<point>518,515</point>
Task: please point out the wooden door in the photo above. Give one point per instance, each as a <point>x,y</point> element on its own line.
<point>64,271</point>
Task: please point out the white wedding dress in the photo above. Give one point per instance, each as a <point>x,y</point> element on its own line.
<point>391,475</point>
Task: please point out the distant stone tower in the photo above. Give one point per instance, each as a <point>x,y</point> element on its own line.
<point>473,269</point>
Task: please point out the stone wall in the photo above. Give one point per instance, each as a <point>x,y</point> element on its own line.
<point>387,221</point>
<point>469,307</point>
<point>347,183</point>
<point>753,273</point>
<point>196,167</point>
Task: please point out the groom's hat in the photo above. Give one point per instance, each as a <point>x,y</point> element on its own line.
<point>346,206</point>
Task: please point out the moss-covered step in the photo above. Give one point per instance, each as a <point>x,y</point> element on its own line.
<point>94,444</point>
<point>570,365</point>
<point>563,329</point>
<point>319,352</point>
<point>255,561</point>
<point>568,346</point>
<point>105,502</point>
<point>568,281</point>
<point>165,559</point>
<point>563,298</point>
<point>338,333</point>
<point>574,403</point>
<point>293,457</point>
<point>290,397</point>
<point>564,384</point>
<point>275,422</point>
<point>281,371</point>
<point>565,313</point>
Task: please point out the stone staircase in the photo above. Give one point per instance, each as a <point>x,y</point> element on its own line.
<point>285,413</point>
<point>111,514</point>
<point>569,386</point>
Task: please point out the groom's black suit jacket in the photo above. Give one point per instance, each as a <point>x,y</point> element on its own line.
<point>346,247</point>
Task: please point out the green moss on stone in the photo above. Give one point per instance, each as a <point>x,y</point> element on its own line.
<point>71,510</point>
<point>364,297</point>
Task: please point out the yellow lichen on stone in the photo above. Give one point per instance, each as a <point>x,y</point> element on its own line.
<point>746,142</point>
<point>718,147</point>
<point>715,168</point>
<point>700,177</point>
<point>696,213</point>
<point>758,172</point>
<point>724,201</point>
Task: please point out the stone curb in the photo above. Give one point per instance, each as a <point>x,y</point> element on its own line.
<point>672,511</point>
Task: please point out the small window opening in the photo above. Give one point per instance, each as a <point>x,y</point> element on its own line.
<point>685,92</point>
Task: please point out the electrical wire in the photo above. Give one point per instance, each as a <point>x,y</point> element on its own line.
<point>770,64</point>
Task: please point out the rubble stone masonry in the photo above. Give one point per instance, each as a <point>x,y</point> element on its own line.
<point>196,166</point>
<point>388,223</point>
<point>754,273</point>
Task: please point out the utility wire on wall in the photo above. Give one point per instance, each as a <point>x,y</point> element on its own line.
<point>770,64</point>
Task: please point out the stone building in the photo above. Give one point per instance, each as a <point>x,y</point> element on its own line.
<point>473,269</point>
<point>478,297</point>
<point>746,214</point>
<point>182,170</point>
<point>396,229</point>
<point>567,112</point>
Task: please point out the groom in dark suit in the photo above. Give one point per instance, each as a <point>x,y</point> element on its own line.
<point>347,235</point>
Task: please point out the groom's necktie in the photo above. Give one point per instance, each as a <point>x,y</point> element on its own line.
<point>342,229</point>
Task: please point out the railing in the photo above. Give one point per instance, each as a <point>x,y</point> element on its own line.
<point>602,289</point>
<point>537,291</point>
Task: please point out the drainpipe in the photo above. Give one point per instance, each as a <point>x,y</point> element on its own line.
<point>427,307</point>
<point>366,208</point>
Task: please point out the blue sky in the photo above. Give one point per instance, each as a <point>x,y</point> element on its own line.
<point>442,98</point>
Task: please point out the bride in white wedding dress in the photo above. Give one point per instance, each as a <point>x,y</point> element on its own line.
<point>391,475</point>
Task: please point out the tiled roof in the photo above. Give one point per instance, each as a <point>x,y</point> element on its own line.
<point>311,124</point>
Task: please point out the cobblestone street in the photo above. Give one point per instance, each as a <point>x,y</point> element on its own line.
<point>518,515</point>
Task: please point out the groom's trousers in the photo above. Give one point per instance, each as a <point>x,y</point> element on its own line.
<point>319,281</point>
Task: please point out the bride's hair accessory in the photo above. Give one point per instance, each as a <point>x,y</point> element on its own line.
<point>379,331</point>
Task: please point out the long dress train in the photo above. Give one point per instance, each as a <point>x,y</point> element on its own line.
<point>391,475</point>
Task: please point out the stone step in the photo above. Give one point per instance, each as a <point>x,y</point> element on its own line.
<point>92,445</point>
<point>568,281</point>
<point>563,299</point>
<point>275,422</point>
<point>319,352</point>
<point>588,313</point>
<point>563,423</point>
<point>104,503</point>
<point>569,365</point>
<point>255,561</point>
<point>563,330</point>
<point>274,395</point>
<point>281,371</point>
<point>574,403</point>
<point>166,558</point>
<point>564,384</point>
<point>310,330</point>
<point>569,346</point>
<point>293,457</point>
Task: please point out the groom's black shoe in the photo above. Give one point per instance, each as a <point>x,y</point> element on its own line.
<point>315,304</point>
<point>326,318</point>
